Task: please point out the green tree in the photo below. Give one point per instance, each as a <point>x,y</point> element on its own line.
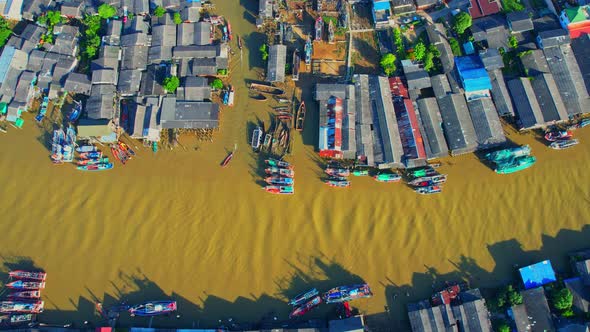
<point>455,47</point>
<point>512,42</point>
<point>47,38</point>
<point>264,51</point>
<point>567,313</point>
<point>42,20</point>
<point>461,22</point>
<point>503,327</point>
<point>171,83</point>
<point>159,11</point>
<point>177,19</point>
<point>562,299</point>
<point>217,84</point>
<point>398,40</point>
<point>5,31</point>
<point>388,64</point>
<point>429,62</point>
<point>54,18</point>
<point>432,49</point>
<point>509,6</point>
<point>419,51</point>
<point>513,297</point>
<point>106,11</point>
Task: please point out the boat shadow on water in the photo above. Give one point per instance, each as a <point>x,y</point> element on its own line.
<point>251,8</point>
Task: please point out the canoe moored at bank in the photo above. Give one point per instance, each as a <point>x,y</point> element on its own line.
<point>387,177</point>
<point>303,297</point>
<point>279,180</point>
<point>306,307</point>
<point>26,285</point>
<point>337,171</point>
<point>27,275</point>
<point>280,171</point>
<point>33,294</point>
<point>153,308</point>
<point>21,307</point>
<point>555,135</point>
<point>280,190</point>
<point>564,144</point>
<point>278,163</point>
<point>436,179</point>
<point>428,190</point>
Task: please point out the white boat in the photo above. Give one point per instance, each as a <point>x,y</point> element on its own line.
<point>257,138</point>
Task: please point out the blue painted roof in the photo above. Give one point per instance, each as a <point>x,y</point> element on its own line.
<point>381,5</point>
<point>537,274</point>
<point>469,49</point>
<point>473,74</point>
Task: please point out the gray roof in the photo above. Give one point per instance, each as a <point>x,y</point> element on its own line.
<point>325,91</point>
<point>21,44</point>
<point>167,18</point>
<point>129,82</point>
<point>78,83</point>
<point>457,124</point>
<point>114,28</point>
<point>33,33</point>
<point>265,8</point>
<point>157,54</point>
<point>104,76</point>
<point>546,22</point>
<point>191,12</point>
<point>36,60</point>
<point>548,97</point>
<point>110,51</point>
<point>24,86</point>
<point>534,63</point>
<point>205,51</point>
<point>520,21</point>
<point>403,6</point>
<point>135,39</point>
<point>189,114</point>
<point>435,143</point>
<point>440,85</point>
<point>491,28</point>
<point>553,38</point>
<point>138,119</point>
<point>204,66</point>
<point>202,33</point>
<point>418,80</point>
<point>33,8</point>
<point>164,35</point>
<point>569,80</point>
<point>150,79</point>
<point>491,59</point>
<point>66,41</point>
<point>486,122</point>
<point>63,67</point>
<point>104,63</point>
<point>100,104</point>
<point>194,34</point>
<point>580,292</point>
<point>72,8</point>
<point>581,49</point>
<point>425,318</point>
<point>277,58</point>
<point>196,88</point>
<point>500,93</point>
<point>583,269</point>
<point>134,57</point>
<point>528,111</point>
<point>351,324</point>
<point>437,36</point>
<point>533,310</point>
<point>136,25</point>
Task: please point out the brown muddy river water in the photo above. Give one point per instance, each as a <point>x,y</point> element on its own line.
<point>176,225</point>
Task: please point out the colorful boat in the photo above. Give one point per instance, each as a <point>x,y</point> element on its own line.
<point>23,307</point>
<point>268,89</point>
<point>75,113</point>
<point>282,109</point>
<point>422,172</point>
<point>280,171</point>
<point>300,117</point>
<point>124,147</point>
<point>91,155</point>
<point>280,190</point>
<point>154,308</point>
<point>303,297</point>
<point>337,171</point>
<point>428,190</point>
<point>227,159</point>
<point>230,96</point>
<point>267,141</point>
<point>20,318</point>
<point>387,177</point>
<point>306,307</point>
<point>256,138</point>
<point>308,50</point>
<point>516,164</point>
<point>86,148</point>
<point>92,161</point>
<point>319,27</point>
<point>279,180</point>
<point>338,183</point>
<point>35,294</point>
<point>584,123</point>
<point>360,172</point>
<point>28,275</point>
<point>26,285</point>
<point>118,154</point>
<point>347,293</point>
<point>563,144</point>
<point>498,156</point>
<point>96,167</point>
<point>422,184</point>
<point>278,163</point>
<point>229,35</point>
<point>296,65</point>
<point>558,135</point>
<point>59,137</point>
<point>155,147</point>
<point>441,178</point>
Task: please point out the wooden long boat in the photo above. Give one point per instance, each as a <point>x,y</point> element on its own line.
<point>268,89</point>
<point>259,97</point>
<point>296,65</point>
<point>300,117</point>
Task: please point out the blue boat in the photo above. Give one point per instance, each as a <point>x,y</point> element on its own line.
<point>347,293</point>
<point>153,308</point>
<point>76,112</point>
<point>303,297</point>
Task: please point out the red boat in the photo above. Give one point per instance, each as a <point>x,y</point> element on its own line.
<point>555,135</point>
<point>20,274</point>
<point>120,155</point>
<point>26,295</point>
<point>227,159</point>
<point>306,307</point>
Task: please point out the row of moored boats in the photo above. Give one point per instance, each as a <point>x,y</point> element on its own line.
<point>305,302</point>
<point>280,177</point>
<point>24,299</point>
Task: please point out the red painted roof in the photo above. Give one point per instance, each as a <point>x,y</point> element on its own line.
<point>397,87</point>
<point>481,8</point>
<point>579,29</point>
<point>416,129</point>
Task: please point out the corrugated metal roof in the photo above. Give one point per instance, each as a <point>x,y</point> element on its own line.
<point>486,123</point>
<point>457,124</point>
<point>472,73</point>
<point>526,106</point>
<point>277,58</point>
<point>500,93</point>
<point>431,127</point>
<point>548,97</point>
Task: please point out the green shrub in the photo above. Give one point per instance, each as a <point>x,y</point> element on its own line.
<point>388,64</point>
<point>106,11</point>
<point>159,11</point>
<point>177,19</point>
<point>171,83</point>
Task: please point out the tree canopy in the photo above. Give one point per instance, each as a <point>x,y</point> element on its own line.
<point>177,19</point>
<point>91,40</point>
<point>54,17</point>
<point>5,31</point>
<point>106,11</point>
<point>462,22</point>
<point>513,42</point>
<point>419,51</point>
<point>264,51</point>
<point>388,64</point>
<point>171,83</point>
<point>562,299</point>
<point>429,61</point>
<point>159,11</point>
<point>217,84</point>
<point>455,47</point>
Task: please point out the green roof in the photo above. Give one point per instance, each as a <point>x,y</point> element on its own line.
<point>576,14</point>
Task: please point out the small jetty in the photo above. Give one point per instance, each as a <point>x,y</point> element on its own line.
<point>268,89</point>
